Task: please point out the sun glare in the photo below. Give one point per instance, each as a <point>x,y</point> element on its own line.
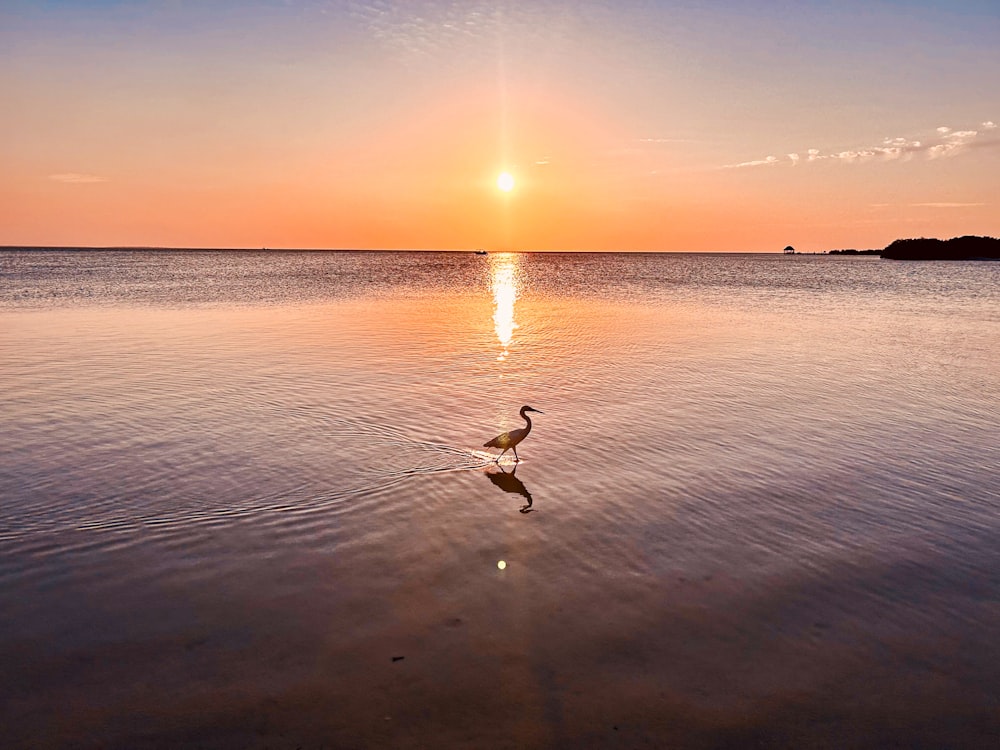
<point>504,283</point>
<point>505,181</point>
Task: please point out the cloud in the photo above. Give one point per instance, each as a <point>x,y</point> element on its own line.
<point>76,178</point>
<point>953,141</point>
<point>895,147</point>
<point>945,142</point>
<point>947,205</point>
<point>929,205</point>
<point>666,140</point>
<point>420,30</point>
<point>756,163</point>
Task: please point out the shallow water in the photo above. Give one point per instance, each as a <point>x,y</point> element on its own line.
<point>760,506</point>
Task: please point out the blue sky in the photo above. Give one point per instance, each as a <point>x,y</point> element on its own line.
<point>667,116</point>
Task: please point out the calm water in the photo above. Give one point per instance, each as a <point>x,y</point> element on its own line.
<point>761,507</point>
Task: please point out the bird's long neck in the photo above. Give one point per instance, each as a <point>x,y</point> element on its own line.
<point>527,419</point>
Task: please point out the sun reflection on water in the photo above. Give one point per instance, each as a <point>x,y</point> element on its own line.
<point>504,283</point>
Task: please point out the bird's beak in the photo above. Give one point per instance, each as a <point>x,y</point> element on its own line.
<point>539,411</point>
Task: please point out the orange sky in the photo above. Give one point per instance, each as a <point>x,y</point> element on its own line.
<point>628,126</point>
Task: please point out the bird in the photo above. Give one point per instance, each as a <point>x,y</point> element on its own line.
<point>509,440</point>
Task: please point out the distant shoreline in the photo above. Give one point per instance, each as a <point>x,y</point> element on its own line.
<point>957,248</point>
<point>854,252</point>
<point>468,251</point>
<point>968,247</point>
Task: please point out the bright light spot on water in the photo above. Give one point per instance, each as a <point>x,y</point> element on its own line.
<point>501,565</point>
<point>504,285</point>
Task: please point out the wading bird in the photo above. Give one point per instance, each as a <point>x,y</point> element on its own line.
<point>509,440</point>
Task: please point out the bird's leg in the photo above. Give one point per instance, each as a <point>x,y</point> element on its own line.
<point>516,459</point>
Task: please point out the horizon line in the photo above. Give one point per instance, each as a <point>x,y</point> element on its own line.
<point>190,248</point>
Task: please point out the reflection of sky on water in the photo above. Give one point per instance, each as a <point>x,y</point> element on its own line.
<point>504,284</point>
<point>256,437</point>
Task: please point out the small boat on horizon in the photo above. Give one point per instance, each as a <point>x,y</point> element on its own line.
<point>480,251</point>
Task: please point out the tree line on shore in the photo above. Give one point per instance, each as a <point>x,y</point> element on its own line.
<point>958,248</point>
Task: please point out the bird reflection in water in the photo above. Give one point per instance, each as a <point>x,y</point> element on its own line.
<point>503,283</point>
<point>508,482</point>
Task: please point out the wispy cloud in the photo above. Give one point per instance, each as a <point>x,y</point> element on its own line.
<point>76,178</point>
<point>947,205</point>
<point>666,140</point>
<point>768,161</point>
<point>953,141</point>
<point>944,142</point>
<point>422,29</point>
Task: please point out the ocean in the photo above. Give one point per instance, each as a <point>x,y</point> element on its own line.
<point>245,503</point>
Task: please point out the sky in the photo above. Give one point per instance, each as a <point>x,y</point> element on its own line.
<point>627,125</point>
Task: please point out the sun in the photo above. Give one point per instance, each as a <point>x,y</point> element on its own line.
<point>505,181</point>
